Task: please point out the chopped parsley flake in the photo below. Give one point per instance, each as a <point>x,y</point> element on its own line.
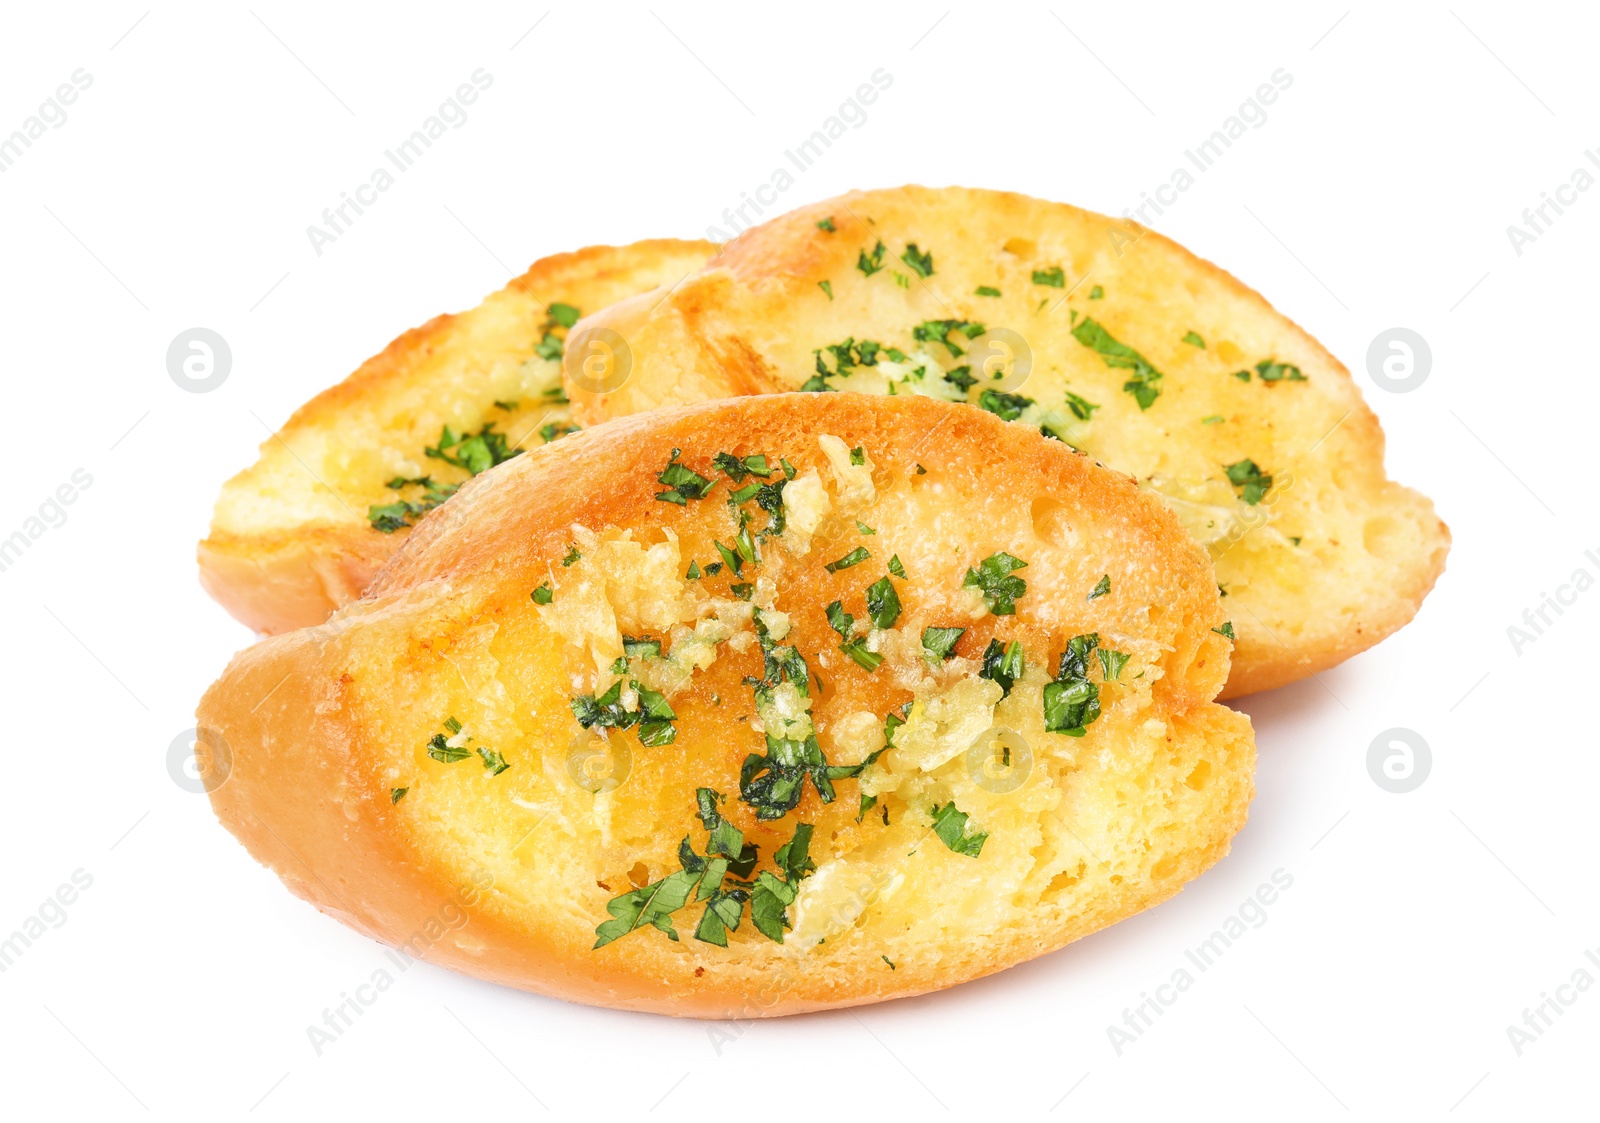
<point>951,827</point>
<point>653,905</point>
<point>397,794</point>
<point>1081,407</point>
<point>919,263</point>
<point>1007,407</point>
<point>871,264</point>
<point>827,224</point>
<point>854,557</point>
<point>1097,293</point>
<point>543,594</point>
<point>572,556</point>
<point>961,378</point>
<point>1101,588</point>
<point>1054,276</point>
<point>553,431</point>
<point>390,517</point>
<point>442,751</point>
<point>935,331</point>
<point>1003,665</point>
<point>993,578</point>
<point>1269,370</point>
<point>940,643</point>
<point>987,290</point>
<point>654,716</point>
<point>827,287</point>
<point>1253,484</point>
<point>883,603</point>
<point>493,761</point>
<point>736,468</point>
<point>1214,419</point>
<point>895,567</point>
<point>1145,382</point>
<point>564,314</point>
<point>1112,662</point>
<point>1071,701</point>
<point>1226,630</point>
<point>683,484</point>
<point>1194,340</point>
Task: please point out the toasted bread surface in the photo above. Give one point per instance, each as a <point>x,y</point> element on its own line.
<point>362,758</point>
<point>294,536</point>
<point>1099,332</point>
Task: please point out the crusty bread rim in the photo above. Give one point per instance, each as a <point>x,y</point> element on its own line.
<point>284,578</point>
<point>297,737</point>
<point>774,253</point>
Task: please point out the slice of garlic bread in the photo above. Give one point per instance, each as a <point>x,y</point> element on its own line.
<point>1093,330</point>
<point>303,530</point>
<point>752,707</point>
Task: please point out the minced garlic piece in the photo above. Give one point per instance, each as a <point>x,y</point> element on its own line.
<point>854,481</point>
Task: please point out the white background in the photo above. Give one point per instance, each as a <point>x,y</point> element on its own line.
<point>1418,926</point>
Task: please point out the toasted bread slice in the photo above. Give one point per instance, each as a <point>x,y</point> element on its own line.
<point>1099,332</point>
<point>960,706</point>
<point>303,530</point>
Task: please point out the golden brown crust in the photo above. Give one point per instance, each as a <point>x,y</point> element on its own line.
<point>506,876</point>
<point>290,539</point>
<point>1345,556</point>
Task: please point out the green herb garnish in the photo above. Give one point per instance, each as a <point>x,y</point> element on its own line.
<point>993,578</point>
<point>1101,588</point>
<point>1245,475</point>
<point>940,643</point>
<point>1007,407</point>
<point>936,331</point>
<point>883,603</point>
<point>1071,701</point>
<point>1145,382</point>
<point>919,263</point>
<point>871,264</point>
<point>854,557</point>
<point>1112,662</point>
<point>1081,407</point>
<point>1003,665</point>
<point>951,827</point>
